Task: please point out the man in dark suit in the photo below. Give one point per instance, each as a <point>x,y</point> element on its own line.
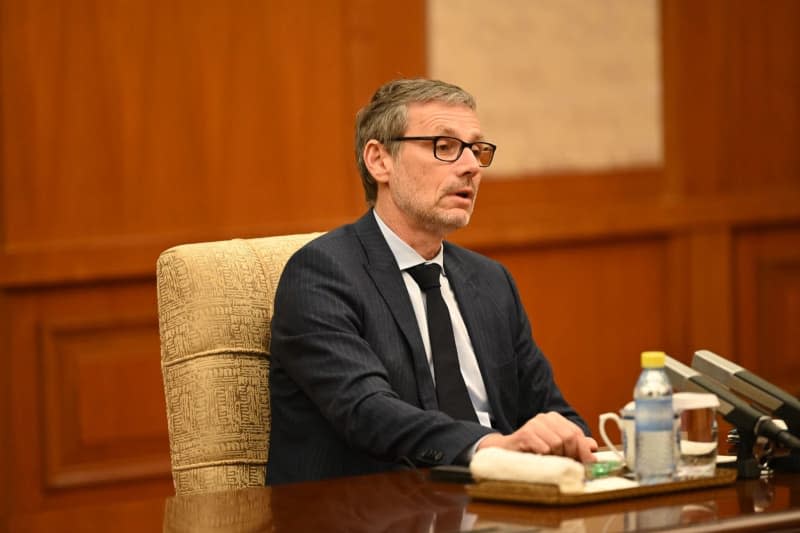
<point>354,377</point>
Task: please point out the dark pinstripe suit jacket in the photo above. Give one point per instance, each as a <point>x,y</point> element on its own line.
<point>351,392</point>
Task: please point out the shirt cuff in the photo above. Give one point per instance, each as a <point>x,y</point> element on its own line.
<point>469,453</point>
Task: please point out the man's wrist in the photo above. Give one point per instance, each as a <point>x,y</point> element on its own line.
<point>470,452</point>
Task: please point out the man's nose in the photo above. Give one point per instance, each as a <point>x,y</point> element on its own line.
<point>470,160</point>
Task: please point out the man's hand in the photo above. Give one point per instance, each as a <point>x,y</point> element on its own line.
<point>547,434</point>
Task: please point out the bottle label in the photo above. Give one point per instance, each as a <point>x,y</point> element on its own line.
<point>654,414</point>
<point>655,440</point>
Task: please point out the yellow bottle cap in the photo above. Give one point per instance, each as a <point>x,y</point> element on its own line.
<point>653,359</point>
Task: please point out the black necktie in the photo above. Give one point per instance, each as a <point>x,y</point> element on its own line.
<point>451,392</point>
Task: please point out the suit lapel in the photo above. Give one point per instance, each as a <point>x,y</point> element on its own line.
<point>382,269</point>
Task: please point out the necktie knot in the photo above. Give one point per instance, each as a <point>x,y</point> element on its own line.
<point>426,275</point>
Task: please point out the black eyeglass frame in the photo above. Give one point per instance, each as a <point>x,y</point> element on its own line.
<point>435,139</point>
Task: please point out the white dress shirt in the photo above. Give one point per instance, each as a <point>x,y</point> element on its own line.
<point>407,257</point>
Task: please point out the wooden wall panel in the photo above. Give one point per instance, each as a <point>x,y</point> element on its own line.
<point>147,118</point>
<point>731,128</point>
<point>88,403</point>
<point>129,127</point>
<point>768,304</point>
<point>140,125</point>
<point>710,305</point>
<point>732,75</point>
<point>6,378</point>
<point>732,124</point>
<point>103,404</point>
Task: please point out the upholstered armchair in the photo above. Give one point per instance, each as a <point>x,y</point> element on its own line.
<point>215,304</point>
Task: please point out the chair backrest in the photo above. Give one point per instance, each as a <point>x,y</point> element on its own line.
<point>215,303</point>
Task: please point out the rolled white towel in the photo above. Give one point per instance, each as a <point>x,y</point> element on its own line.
<point>505,465</point>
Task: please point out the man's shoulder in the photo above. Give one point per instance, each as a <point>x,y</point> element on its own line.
<point>340,245</point>
<point>471,257</point>
<point>339,238</point>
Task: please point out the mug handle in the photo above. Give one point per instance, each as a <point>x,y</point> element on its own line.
<point>603,419</point>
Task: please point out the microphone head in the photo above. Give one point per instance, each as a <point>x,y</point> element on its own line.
<point>759,391</point>
<point>680,375</point>
<point>715,366</point>
<point>688,379</point>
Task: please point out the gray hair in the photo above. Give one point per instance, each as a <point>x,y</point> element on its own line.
<point>385,117</point>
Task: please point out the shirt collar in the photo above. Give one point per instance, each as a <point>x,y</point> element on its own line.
<point>404,254</point>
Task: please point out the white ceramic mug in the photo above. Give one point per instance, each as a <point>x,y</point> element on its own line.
<point>627,428</point>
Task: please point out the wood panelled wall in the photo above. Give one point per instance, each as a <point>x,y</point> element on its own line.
<point>128,127</point>
<point>702,253</point>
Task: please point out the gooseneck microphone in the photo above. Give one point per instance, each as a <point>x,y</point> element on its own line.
<point>736,411</point>
<point>776,400</point>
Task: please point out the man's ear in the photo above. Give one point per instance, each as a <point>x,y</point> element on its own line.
<point>378,161</point>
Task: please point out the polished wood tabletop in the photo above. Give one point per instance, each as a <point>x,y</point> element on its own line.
<point>410,501</point>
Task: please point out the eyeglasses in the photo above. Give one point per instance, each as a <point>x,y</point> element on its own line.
<point>449,149</point>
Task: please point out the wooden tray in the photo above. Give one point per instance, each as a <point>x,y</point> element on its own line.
<point>512,491</point>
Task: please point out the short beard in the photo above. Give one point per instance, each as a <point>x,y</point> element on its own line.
<point>436,222</point>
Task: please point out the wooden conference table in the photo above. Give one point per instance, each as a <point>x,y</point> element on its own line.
<point>409,501</point>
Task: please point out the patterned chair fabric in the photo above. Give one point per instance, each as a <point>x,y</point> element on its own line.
<point>215,306</point>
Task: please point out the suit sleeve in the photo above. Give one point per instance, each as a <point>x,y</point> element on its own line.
<point>318,342</point>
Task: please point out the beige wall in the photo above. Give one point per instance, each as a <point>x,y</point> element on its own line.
<point>563,85</point>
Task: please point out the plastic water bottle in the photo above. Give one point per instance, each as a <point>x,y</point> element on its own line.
<point>655,434</point>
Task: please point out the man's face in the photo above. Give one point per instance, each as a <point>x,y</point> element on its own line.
<point>432,195</point>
